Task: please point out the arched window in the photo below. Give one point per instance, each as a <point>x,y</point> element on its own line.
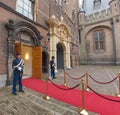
<point>26,7</point>
<point>60,2</point>
<point>99,40</point>
<point>96,4</point>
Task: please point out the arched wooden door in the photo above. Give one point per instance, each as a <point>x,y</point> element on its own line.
<point>36,59</point>
<point>37,62</point>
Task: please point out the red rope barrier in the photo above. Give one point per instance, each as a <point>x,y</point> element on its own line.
<point>102,95</point>
<point>64,88</point>
<point>75,78</point>
<point>103,82</point>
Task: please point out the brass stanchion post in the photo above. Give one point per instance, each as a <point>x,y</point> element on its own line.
<point>119,85</point>
<point>65,84</point>
<point>82,110</point>
<point>87,89</point>
<point>46,96</point>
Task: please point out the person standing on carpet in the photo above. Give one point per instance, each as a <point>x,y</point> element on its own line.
<point>52,67</point>
<point>17,66</point>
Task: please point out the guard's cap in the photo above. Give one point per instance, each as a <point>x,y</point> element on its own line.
<point>53,57</point>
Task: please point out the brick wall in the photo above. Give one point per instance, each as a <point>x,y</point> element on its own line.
<point>3,43</point>
<point>10,3</point>
<point>6,15</point>
<point>3,52</point>
<point>43,12</point>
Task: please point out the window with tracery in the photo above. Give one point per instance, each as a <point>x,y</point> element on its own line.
<point>99,40</point>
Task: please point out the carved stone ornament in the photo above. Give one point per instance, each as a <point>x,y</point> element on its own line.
<point>59,29</point>
<point>62,32</point>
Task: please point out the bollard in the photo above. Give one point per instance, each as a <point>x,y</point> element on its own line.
<point>119,85</point>
<point>82,110</point>
<point>65,84</point>
<point>46,97</point>
<point>87,89</point>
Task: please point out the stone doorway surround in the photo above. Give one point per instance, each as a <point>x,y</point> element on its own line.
<point>60,33</point>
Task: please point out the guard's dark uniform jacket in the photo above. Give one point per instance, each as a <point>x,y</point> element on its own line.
<point>14,66</point>
<point>17,65</point>
<point>52,67</point>
<point>52,64</point>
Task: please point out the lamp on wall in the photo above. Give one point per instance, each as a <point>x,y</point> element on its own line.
<point>45,47</point>
<point>27,56</point>
<point>48,35</point>
<point>46,41</point>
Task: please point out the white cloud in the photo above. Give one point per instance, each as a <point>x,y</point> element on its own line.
<point>80,2</point>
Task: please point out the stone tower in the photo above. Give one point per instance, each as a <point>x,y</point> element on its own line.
<point>91,6</point>
<point>115,7</point>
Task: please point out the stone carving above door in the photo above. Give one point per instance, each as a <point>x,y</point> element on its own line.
<point>59,29</point>
<point>62,32</point>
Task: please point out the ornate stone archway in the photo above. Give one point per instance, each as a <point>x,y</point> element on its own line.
<point>29,28</point>
<point>13,40</point>
<point>60,34</point>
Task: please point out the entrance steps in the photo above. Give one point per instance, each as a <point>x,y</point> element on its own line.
<point>32,103</point>
<point>55,107</point>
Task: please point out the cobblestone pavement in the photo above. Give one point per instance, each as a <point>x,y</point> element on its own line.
<point>99,73</point>
<point>32,103</point>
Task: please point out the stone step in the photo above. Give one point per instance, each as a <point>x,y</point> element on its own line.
<point>54,106</point>
<point>32,103</point>
<point>18,105</point>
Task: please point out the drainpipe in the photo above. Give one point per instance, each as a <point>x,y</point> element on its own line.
<point>113,38</point>
<point>79,44</point>
<point>79,35</point>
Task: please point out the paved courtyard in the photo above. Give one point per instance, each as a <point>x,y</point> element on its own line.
<point>99,73</point>
<point>32,103</point>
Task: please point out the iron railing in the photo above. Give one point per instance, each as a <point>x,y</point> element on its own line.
<point>100,61</point>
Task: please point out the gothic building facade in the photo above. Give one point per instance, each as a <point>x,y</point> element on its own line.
<point>24,26</point>
<point>99,25</point>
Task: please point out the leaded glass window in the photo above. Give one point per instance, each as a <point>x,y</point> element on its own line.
<point>26,7</point>
<point>99,40</point>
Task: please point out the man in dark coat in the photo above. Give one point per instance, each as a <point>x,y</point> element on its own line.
<point>17,66</point>
<point>52,67</point>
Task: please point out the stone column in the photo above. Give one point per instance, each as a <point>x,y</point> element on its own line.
<point>53,49</point>
<point>10,50</point>
<point>67,55</point>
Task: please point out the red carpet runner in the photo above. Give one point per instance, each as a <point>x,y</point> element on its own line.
<point>93,102</point>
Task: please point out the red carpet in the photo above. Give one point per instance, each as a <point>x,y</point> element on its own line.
<point>93,102</point>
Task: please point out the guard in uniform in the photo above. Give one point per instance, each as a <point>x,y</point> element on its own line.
<point>17,66</point>
<point>52,67</point>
